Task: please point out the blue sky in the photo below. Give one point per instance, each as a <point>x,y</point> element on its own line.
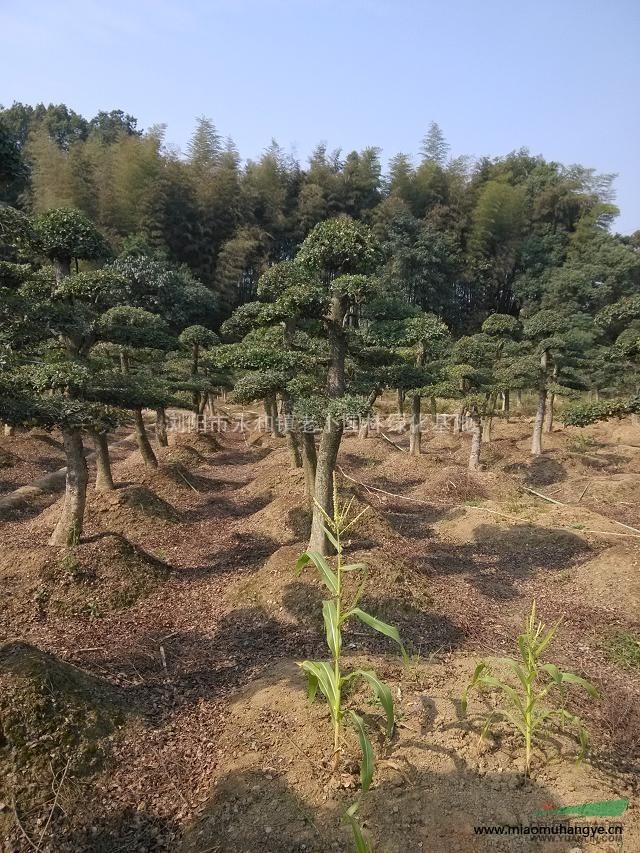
<point>561,77</point>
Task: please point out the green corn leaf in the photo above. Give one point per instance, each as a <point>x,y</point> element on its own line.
<point>382,627</point>
<point>572,678</point>
<point>323,673</point>
<point>331,537</point>
<point>382,693</point>
<point>326,573</point>
<point>481,668</point>
<point>366,767</point>
<point>332,626</point>
<point>552,670</point>
<point>360,841</point>
<point>312,686</point>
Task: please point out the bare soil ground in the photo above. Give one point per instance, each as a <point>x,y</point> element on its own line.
<point>149,698</point>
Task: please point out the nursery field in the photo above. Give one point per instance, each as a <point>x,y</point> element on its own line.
<point>149,694</point>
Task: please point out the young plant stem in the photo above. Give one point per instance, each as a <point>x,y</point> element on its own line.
<point>337,652</point>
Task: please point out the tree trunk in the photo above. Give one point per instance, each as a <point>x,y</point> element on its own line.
<point>363,431</point>
<point>271,410</point>
<point>323,493</point>
<point>548,415</point>
<point>415,433</point>
<point>596,394</point>
<point>400,398</point>
<point>69,527</point>
<point>332,432</point>
<point>486,429</point>
<point>309,462</point>
<point>161,427</point>
<point>104,478</point>
<point>506,403</point>
<point>536,443</point>
<point>290,432</point>
<point>459,419</point>
<point>476,440</point>
<point>62,268</point>
<point>144,445</point>
<point>519,398</point>
<point>9,430</point>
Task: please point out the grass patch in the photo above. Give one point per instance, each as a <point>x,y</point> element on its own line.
<point>624,649</point>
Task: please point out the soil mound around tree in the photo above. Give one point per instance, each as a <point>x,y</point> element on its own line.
<point>183,455</point>
<point>204,443</point>
<point>611,580</point>
<point>274,789</point>
<point>119,509</point>
<point>7,459</point>
<point>103,574</point>
<point>283,519</point>
<point>55,721</point>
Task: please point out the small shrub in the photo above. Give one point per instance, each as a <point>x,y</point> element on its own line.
<point>524,708</point>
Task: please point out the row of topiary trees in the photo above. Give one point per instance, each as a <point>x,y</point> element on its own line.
<point>327,336</point>
<point>87,350</point>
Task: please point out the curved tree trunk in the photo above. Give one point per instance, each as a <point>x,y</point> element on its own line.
<point>104,478</point>
<point>144,445</point>
<point>476,440</point>
<point>323,493</point>
<point>69,527</point>
<point>161,427</point>
<point>548,415</point>
<point>415,433</point>
<point>309,462</point>
<point>536,443</point>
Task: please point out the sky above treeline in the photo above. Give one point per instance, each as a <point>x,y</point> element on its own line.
<point>560,78</point>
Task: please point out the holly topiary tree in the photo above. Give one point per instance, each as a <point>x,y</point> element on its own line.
<point>195,339</point>
<point>341,253</point>
<point>65,234</point>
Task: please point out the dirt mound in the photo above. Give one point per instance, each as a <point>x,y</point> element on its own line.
<point>103,574</point>
<point>612,580</point>
<point>203,443</point>
<point>119,505</point>
<point>55,719</point>
<point>181,455</point>
<point>7,459</point>
<point>274,789</point>
<point>283,519</point>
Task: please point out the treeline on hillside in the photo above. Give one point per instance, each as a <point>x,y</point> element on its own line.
<point>463,237</point>
<point>132,278</point>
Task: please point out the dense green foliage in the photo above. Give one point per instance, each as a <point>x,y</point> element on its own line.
<point>460,238</point>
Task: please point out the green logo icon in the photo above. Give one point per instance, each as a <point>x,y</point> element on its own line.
<point>602,808</point>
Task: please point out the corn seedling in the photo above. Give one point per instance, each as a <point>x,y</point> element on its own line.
<point>524,704</point>
<point>328,676</point>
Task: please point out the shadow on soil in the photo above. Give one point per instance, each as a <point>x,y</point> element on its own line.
<point>252,810</point>
<point>499,558</point>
